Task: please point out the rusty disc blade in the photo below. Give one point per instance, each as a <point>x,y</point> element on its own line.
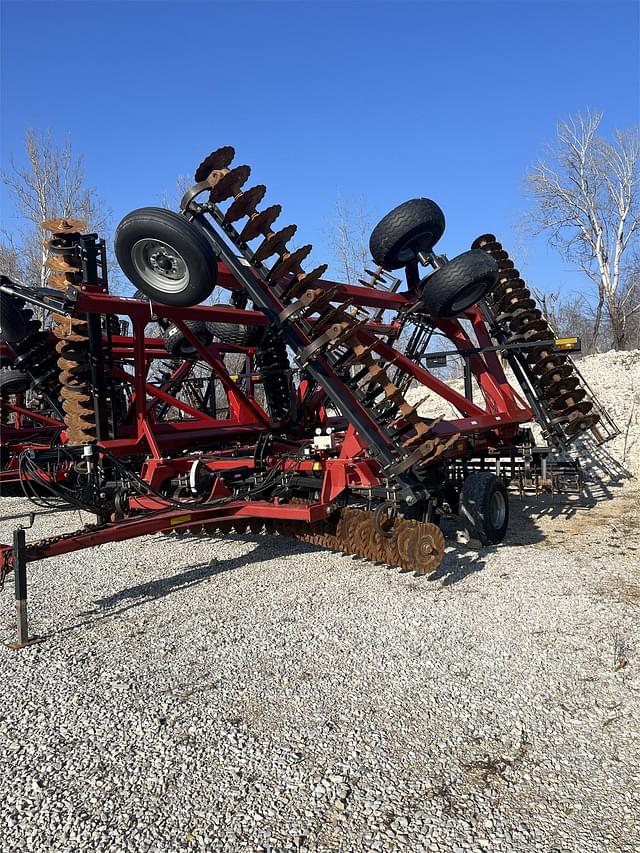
<point>510,297</point>
<point>274,243</point>
<point>524,319</point>
<point>64,226</point>
<point>361,534</point>
<point>483,240</point>
<point>60,263</point>
<point>549,362</point>
<point>581,423</point>
<point>60,282</point>
<point>79,409</point>
<point>221,158</point>
<point>290,262</point>
<point>428,548</point>
<point>511,287</point>
<point>402,534</point>
<point>528,337</point>
<point>498,253</point>
<point>245,203</point>
<point>79,420</point>
<point>260,223</point>
<point>230,184</point>
<point>564,386</point>
<point>304,279</point>
<point>508,274</point>
<point>555,375</point>
<point>565,401</point>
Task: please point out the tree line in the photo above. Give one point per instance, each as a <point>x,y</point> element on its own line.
<point>583,196</point>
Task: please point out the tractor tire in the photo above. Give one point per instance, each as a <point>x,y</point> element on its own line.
<point>484,507</point>
<point>412,227</point>
<point>13,323</point>
<point>13,381</point>
<point>460,283</point>
<point>178,345</point>
<point>165,256</point>
<point>238,335</point>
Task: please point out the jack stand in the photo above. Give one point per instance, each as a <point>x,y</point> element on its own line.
<point>20,574</point>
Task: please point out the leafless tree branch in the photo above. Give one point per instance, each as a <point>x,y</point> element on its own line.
<point>585,192</point>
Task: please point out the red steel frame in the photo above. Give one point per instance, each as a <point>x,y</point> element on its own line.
<point>493,424</point>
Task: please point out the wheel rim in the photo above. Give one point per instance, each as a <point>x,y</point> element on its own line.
<point>497,510</point>
<point>160,265</point>
<point>469,296</point>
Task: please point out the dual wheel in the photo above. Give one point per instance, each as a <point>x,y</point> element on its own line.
<point>484,507</point>
<point>413,228</point>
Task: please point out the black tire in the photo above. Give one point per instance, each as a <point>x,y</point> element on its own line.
<point>460,283</point>
<point>13,323</point>
<point>236,334</point>
<point>178,345</point>
<point>412,227</point>
<point>484,507</point>
<point>165,256</point>
<point>13,381</point>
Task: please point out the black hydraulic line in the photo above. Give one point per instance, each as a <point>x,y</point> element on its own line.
<point>468,379</point>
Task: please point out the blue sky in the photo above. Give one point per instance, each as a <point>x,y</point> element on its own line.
<point>384,100</point>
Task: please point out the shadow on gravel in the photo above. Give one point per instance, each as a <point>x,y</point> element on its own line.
<point>458,564</point>
<point>135,596</point>
<point>460,560</point>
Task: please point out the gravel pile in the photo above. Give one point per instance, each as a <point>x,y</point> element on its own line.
<point>248,693</point>
<point>615,379</point>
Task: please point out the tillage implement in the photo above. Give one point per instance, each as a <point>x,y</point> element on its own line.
<point>241,390</point>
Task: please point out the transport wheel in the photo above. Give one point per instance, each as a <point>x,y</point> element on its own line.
<point>412,227</point>
<point>178,345</point>
<point>13,324</point>
<point>484,507</point>
<point>460,283</point>
<point>13,381</point>
<point>165,256</point>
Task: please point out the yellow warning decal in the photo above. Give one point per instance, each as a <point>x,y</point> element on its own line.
<point>180,519</point>
<point>567,343</point>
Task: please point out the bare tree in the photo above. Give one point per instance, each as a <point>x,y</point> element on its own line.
<point>50,183</point>
<point>172,201</point>
<point>350,239</point>
<point>10,262</point>
<point>586,200</point>
<point>569,315</point>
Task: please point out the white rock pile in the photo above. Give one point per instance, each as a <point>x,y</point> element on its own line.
<point>615,379</point>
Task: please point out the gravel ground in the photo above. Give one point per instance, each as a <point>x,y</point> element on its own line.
<point>249,693</point>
